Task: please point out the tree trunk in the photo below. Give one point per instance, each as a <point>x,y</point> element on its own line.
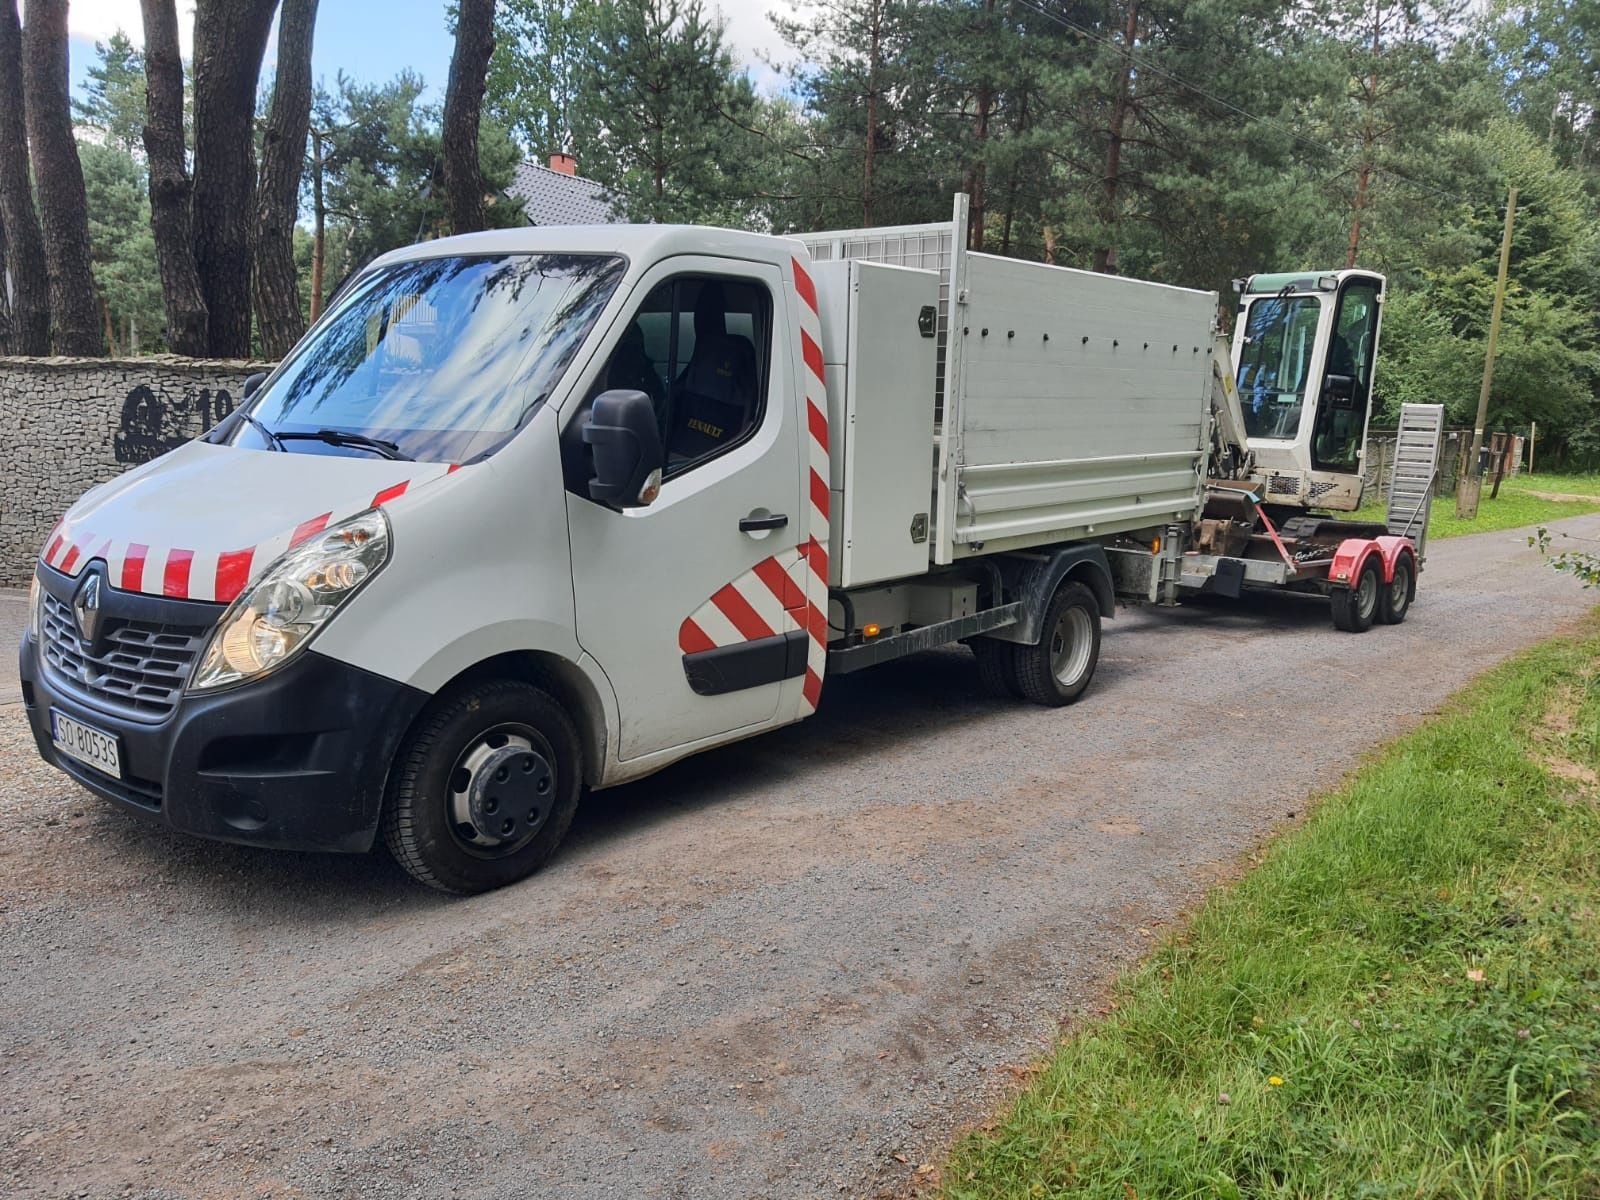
<point>63,211</point>
<point>1369,138</point>
<point>1018,128</point>
<point>977,175</point>
<point>110,328</point>
<point>463,105</point>
<point>230,38</point>
<point>5,298</point>
<point>24,244</point>
<point>170,193</point>
<point>283,160</point>
<point>319,225</point>
<point>1105,258</point>
<point>874,67</point>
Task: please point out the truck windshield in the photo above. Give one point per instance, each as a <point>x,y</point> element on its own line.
<point>438,359</point>
<point>1274,363</point>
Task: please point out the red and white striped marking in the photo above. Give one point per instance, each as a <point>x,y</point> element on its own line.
<point>814,550</point>
<point>187,574</point>
<point>789,590</point>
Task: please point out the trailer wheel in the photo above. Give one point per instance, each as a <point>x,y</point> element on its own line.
<point>1355,607</point>
<point>997,668</point>
<point>1058,669</point>
<point>484,787</point>
<point>1395,601</point>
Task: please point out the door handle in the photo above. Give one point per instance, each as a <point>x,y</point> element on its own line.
<point>754,524</point>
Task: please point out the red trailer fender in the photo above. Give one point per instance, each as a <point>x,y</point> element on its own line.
<point>1392,546</point>
<point>1353,553</point>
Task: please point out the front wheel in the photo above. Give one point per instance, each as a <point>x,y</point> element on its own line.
<point>1355,607</point>
<point>484,787</point>
<point>1395,600</point>
<point>1058,669</point>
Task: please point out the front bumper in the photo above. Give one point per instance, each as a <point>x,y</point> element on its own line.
<point>297,760</point>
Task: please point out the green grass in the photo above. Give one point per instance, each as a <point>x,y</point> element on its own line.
<point>1565,485</point>
<point>1417,965</point>
<point>1514,508</point>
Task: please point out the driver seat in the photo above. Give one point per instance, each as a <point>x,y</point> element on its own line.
<point>714,398</point>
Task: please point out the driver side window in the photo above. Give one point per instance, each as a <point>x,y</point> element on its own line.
<point>698,346</point>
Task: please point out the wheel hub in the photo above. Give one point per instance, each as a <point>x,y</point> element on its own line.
<point>502,794</point>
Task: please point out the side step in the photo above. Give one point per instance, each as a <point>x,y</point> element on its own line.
<point>925,637</point>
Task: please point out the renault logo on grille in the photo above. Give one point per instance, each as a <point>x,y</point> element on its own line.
<point>86,608</point>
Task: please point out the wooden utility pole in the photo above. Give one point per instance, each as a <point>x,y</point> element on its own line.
<point>1533,437</point>
<point>1471,485</point>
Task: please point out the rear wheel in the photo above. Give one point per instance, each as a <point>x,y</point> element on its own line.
<point>1355,607</point>
<point>1058,669</point>
<point>1395,600</point>
<point>997,668</point>
<point>484,787</point>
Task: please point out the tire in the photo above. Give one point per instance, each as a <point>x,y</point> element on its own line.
<point>1058,669</point>
<point>1355,607</point>
<point>484,787</point>
<point>1395,597</point>
<point>997,670</point>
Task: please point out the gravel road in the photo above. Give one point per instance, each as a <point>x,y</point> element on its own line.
<point>788,968</point>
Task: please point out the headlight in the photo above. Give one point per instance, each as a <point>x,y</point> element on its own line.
<point>269,624</point>
<point>35,598</point>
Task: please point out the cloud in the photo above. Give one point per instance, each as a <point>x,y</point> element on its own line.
<point>754,40</point>
<point>97,20</point>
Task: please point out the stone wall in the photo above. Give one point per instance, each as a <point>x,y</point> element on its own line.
<point>67,424</point>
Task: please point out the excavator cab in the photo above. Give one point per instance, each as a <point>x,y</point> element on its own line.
<point>1304,348</point>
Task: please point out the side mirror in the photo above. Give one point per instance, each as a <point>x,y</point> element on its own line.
<point>622,436</point>
<point>251,384</point>
<point>1341,389</point>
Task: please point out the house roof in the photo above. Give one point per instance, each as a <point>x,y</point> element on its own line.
<point>552,198</point>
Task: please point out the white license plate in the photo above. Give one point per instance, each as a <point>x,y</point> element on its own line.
<point>88,746</point>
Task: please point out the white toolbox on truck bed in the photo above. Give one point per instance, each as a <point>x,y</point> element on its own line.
<point>880,376</point>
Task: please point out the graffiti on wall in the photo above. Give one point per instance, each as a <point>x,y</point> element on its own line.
<point>154,423</point>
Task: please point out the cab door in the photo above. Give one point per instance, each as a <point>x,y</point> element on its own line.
<point>685,603</point>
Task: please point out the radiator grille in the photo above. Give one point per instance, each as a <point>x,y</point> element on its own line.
<point>136,668</point>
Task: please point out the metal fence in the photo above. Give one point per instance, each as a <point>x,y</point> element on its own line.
<point>1379,463</point>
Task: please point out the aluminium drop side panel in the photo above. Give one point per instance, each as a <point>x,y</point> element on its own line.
<point>889,442</point>
<point>1080,409</point>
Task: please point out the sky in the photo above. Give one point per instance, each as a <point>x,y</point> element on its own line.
<point>370,40</point>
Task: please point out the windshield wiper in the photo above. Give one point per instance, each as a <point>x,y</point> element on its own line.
<point>274,442</point>
<point>343,437</point>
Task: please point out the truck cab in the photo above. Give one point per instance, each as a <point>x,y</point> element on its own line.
<point>434,495</point>
<point>1304,349</point>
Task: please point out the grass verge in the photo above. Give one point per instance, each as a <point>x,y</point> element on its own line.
<point>1517,505</point>
<point>1403,1000</point>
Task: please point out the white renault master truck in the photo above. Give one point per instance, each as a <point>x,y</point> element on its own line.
<point>362,606</point>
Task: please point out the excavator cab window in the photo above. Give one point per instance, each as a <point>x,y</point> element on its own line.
<point>1280,334</point>
<point>1347,380</point>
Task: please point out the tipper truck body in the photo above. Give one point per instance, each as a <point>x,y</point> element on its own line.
<point>544,509</point>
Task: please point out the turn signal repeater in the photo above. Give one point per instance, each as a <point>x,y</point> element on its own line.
<point>871,629</point>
